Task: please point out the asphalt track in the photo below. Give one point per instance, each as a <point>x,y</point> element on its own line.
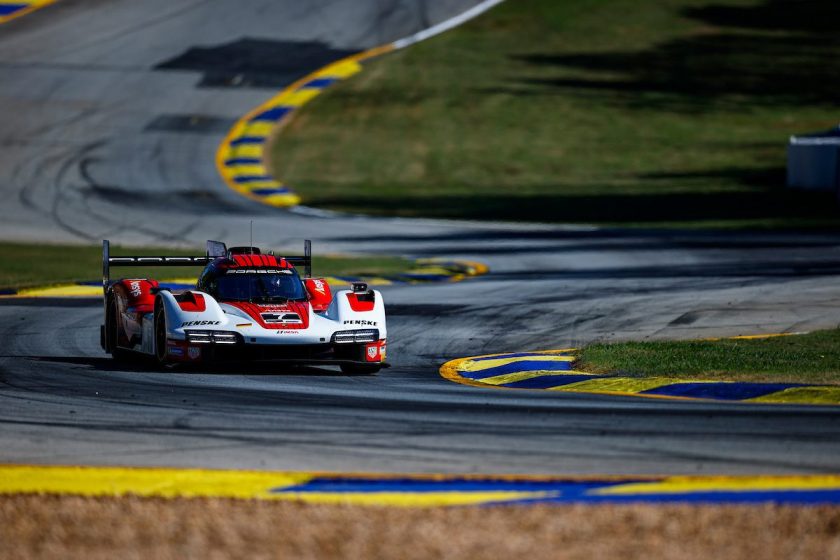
<point>109,123</point>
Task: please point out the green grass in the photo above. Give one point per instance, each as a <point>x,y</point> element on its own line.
<point>28,265</point>
<point>669,113</point>
<point>808,358</point>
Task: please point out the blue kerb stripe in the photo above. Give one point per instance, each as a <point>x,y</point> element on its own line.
<point>803,497</point>
<point>267,192</point>
<point>253,178</point>
<point>273,114</point>
<point>720,391</point>
<point>355,485</point>
<point>548,381</point>
<point>243,161</point>
<point>559,491</point>
<point>8,292</point>
<point>515,355</point>
<point>6,9</point>
<point>319,83</point>
<point>247,140</point>
<point>516,367</point>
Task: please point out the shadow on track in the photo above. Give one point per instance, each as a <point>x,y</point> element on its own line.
<point>109,365</point>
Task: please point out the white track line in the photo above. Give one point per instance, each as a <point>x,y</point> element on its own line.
<point>446,25</point>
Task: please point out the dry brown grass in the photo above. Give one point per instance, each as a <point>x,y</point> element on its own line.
<point>77,527</point>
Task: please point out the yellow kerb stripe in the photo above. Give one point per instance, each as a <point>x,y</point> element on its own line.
<point>341,70</point>
<point>681,484</point>
<point>409,499</point>
<point>61,291</point>
<point>617,385</point>
<point>244,170</point>
<point>256,128</point>
<point>488,364</point>
<point>281,199</point>
<point>523,375</point>
<point>297,98</point>
<point>809,395</point>
<point>166,483</point>
<point>262,184</point>
<point>246,150</point>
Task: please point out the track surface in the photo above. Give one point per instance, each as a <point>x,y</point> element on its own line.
<point>98,143</point>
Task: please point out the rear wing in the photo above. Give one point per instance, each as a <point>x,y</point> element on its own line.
<point>215,249</point>
<point>304,260</point>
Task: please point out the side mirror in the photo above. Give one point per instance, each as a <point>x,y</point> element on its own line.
<point>359,287</point>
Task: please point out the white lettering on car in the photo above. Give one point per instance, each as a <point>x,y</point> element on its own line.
<point>259,271</point>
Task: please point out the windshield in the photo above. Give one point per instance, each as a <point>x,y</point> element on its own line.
<point>268,287</point>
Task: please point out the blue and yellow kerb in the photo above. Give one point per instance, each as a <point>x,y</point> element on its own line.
<point>11,9</point>
<point>554,370</point>
<point>416,490</point>
<point>241,157</point>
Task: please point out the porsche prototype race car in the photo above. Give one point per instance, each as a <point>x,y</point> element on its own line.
<point>246,305</point>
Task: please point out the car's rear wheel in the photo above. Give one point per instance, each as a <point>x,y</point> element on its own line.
<point>160,334</point>
<point>112,334</point>
<point>358,369</point>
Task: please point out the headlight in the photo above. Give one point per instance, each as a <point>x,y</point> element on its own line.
<point>206,337</point>
<point>365,335</point>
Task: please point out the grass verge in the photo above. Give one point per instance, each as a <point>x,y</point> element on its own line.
<point>75,527</point>
<point>672,113</point>
<point>807,358</point>
<point>29,265</point>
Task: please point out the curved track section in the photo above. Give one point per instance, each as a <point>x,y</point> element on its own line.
<point>111,114</point>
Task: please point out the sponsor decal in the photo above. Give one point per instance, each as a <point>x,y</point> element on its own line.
<point>287,332</point>
<point>134,286</point>
<point>194,352</point>
<point>199,323</point>
<point>319,285</point>
<point>175,351</point>
<point>286,318</point>
<point>258,271</point>
<point>372,352</point>
<point>361,322</point>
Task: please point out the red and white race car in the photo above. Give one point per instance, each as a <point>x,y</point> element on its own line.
<point>246,305</point>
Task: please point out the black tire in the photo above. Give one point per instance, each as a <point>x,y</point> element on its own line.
<point>160,334</point>
<point>357,369</point>
<point>112,322</point>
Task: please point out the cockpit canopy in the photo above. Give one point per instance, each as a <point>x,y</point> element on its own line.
<point>261,285</point>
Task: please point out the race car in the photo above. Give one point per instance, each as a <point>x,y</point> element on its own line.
<point>247,305</point>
